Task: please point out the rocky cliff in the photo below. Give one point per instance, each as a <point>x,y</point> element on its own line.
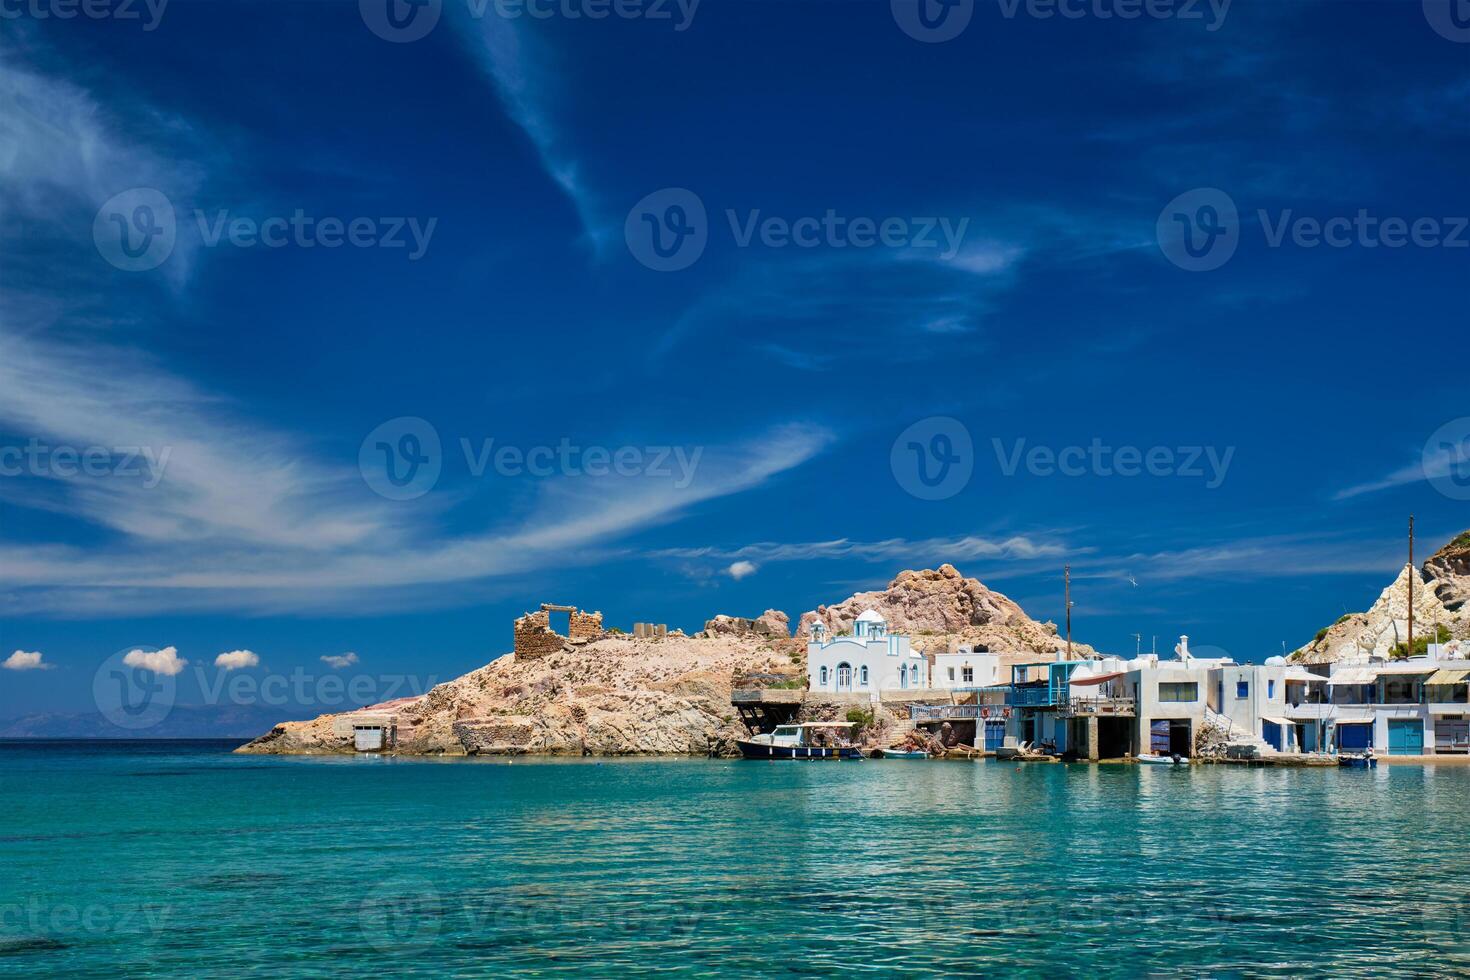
<point>1441,588</point>
<point>621,695</point>
<point>936,605</point>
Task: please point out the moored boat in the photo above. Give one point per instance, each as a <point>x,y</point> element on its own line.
<point>1364,761</point>
<point>1162,760</point>
<point>810,740</point>
<point>900,754</point>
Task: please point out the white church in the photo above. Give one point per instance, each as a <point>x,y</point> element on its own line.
<point>870,660</point>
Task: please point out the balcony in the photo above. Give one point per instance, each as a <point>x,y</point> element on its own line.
<point>1029,697</point>
<point>1099,708</point>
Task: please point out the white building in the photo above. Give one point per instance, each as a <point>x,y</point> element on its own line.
<point>965,669</point>
<point>871,660</point>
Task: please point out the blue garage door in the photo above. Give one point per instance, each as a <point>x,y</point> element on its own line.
<point>1271,732</point>
<point>1354,738</point>
<point>995,735</point>
<point>1406,737</point>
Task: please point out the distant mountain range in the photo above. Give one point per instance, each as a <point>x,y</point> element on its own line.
<point>184,721</point>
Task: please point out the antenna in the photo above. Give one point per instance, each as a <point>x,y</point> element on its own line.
<point>1067,576</point>
<point>1411,586</point>
<point>1138,644</point>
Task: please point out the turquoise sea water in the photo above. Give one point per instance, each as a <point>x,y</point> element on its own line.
<point>184,860</point>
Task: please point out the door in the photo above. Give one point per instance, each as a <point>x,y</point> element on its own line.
<point>1354,738</point>
<point>1271,732</point>
<point>1451,735</point>
<point>1406,737</point>
<point>844,677</point>
<point>1158,738</point>
<point>995,735</point>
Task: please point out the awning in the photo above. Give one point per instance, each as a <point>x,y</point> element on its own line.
<point>1302,674</point>
<point>1354,675</point>
<point>1448,675</point>
<point>1420,668</point>
<point>1277,721</point>
<point>1091,679</point>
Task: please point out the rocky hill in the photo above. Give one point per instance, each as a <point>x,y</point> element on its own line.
<point>1441,588</point>
<point>936,605</point>
<point>613,694</point>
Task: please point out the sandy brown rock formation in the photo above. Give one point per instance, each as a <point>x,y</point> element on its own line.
<point>935,606</point>
<point>614,696</point>
<point>771,623</point>
<point>1440,593</point>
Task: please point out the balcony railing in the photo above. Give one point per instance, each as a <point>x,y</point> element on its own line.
<point>1029,697</point>
<point>944,712</point>
<point>1100,707</point>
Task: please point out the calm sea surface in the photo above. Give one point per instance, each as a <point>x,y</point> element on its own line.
<point>180,859</point>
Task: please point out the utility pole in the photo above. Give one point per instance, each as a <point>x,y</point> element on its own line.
<point>1067,577</point>
<point>1411,585</point>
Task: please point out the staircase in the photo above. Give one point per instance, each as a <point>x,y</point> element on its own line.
<point>1235,735</point>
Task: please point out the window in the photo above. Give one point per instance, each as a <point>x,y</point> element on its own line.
<point>1179,692</point>
<point>1242,689</point>
<point>824,675</point>
<point>864,674</point>
<point>1270,687</point>
<point>968,673</point>
<point>951,673</point>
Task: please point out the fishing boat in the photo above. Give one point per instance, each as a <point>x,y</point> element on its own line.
<point>1163,760</point>
<point>809,740</point>
<point>901,754</point>
<point>1358,761</point>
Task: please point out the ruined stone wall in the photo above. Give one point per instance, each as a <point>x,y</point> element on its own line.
<point>534,637</point>
<point>494,736</point>
<point>584,626</point>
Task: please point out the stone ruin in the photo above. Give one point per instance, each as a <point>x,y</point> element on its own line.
<point>534,637</point>
<point>650,631</point>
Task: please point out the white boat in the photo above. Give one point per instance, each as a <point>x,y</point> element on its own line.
<point>1163,760</point>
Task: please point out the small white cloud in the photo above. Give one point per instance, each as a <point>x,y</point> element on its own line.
<point>740,569</point>
<point>165,661</point>
<point>21,660</point>
<point>236,659</point>
<point>337,663</point>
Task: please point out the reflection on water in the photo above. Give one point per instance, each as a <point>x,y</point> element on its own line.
<point>300,866</point>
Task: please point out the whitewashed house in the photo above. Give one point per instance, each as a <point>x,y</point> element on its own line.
<point>966,669</point>
<point>871,660</point>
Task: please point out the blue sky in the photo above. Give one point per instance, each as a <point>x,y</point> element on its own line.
<point>506,174</point>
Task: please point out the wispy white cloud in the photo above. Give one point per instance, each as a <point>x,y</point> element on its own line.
<point>527,84</point>
<point>340,661</point>
<point>937,550</point>
<point>1436,464</point>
